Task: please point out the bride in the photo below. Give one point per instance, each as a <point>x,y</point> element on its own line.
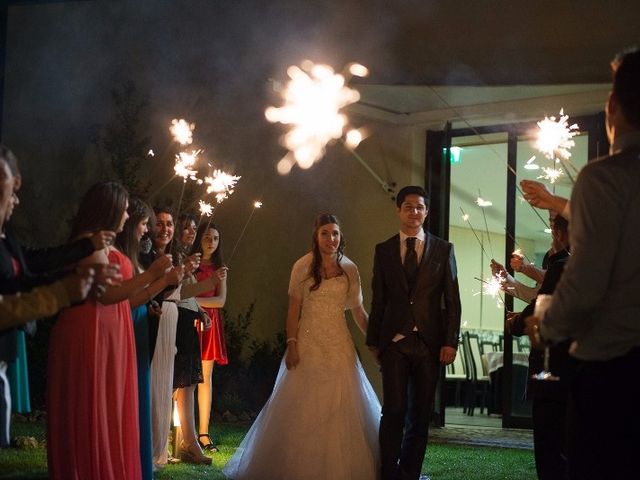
<point>321,421</point>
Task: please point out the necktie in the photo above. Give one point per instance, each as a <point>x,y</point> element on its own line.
<point>411,261</point>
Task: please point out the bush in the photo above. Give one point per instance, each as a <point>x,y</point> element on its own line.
<point>244,385</point>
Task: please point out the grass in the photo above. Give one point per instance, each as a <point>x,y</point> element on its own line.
<point>443,461</point>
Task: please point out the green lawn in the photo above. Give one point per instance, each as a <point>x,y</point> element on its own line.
<point>443,461</point>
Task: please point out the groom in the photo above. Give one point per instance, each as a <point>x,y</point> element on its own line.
<point>413,329</point>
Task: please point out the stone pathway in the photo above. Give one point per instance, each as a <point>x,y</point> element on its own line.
<point>485,436</point>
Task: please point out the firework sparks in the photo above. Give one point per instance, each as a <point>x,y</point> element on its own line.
<point>184,164</point>
<point>257,204</point>
<point>493,285</point>
<point>182,131</point>
<point>221,184</point>
<point>555,137</point>
<point>313,99</point>
<point>551,174</point>
<point>150,153</point>
<point>205,208</point>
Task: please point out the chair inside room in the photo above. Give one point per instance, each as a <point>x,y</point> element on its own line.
<point>456,374</point>
<point>478,385</point>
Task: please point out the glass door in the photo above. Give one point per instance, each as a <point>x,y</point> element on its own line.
<point>477,205</point>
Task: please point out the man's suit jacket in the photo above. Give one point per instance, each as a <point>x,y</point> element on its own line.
<point>434,302</point>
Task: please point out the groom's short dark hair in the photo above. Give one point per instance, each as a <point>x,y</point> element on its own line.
<point>411,190</point>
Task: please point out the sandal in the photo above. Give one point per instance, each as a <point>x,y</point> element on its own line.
<point>209,447</point>
<point>192,455</point>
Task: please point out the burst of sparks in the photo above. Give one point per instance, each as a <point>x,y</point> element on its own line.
<point>151,154</point>
<point>205,208</point>
<point>184,164</point>
<point>182,131</point>
<point>312,99</point>
<point>555,137</point>
<point>481,202</point>
<point>493,285</point>
<point>221,184</point>
<point>257,204</point>
<point>551,174</point>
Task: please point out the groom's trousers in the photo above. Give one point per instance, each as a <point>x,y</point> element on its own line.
<point>409,377</point>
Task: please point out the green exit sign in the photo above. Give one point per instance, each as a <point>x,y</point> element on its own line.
<point>456,154</point>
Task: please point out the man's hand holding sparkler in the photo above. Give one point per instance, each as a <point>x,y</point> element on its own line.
<point>537,194</point>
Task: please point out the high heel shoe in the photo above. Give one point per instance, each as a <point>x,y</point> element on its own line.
<point>210,447</point>
<point>192,454</point>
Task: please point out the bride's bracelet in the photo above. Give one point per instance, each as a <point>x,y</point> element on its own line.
<point>292,340</point>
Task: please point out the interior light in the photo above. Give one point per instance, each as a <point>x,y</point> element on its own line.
<point>456,154</point>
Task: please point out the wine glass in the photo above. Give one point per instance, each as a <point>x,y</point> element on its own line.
<point>543,302</point>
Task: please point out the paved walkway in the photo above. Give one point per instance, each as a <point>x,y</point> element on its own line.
<point>485,436</point>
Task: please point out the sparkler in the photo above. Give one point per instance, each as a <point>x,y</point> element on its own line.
<point>554,140</point>
<point>555,137</point>
<point>221,184</point>
<point>256,205</point>
<point>492,287</point>
<point>551,174</point>
<point>482,203</point>
<point>184,165</point>
<point>313,101</point>
<point>206,209</point>
<point>182,131</point>
<point>465,217</point>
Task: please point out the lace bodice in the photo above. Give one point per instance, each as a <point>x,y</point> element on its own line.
<point>323,333</point>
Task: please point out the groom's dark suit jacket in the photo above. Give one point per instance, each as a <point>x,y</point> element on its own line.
<point>434,302</point>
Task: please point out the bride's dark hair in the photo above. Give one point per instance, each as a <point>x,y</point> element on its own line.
<point>316,263</point>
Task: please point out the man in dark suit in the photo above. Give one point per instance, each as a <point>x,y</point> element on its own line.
<point>413,328</point>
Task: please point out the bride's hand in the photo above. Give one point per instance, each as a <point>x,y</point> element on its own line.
<point>292,359</point>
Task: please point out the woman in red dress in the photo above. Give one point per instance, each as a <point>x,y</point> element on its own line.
<point>92,421</point>
<point>212,345</point>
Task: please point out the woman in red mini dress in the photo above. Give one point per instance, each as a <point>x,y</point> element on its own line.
<point>212,345</point>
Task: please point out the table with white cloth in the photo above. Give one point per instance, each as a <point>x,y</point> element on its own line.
<point>494,364</point>
<point>495,360</point>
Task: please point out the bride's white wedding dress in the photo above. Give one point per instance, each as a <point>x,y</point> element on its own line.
<point>321,421</point>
